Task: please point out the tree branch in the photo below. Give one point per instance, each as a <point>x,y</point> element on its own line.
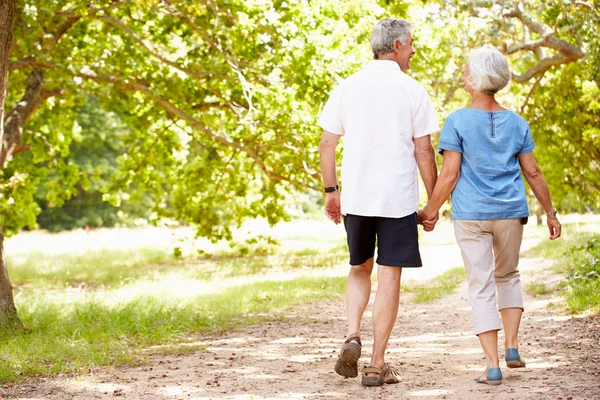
<point>541,67</point>
<point>537,82</point>
<point>20,113</point>
<point>119,24</point>
<point>28,62</point>
<point>567,52</point>
<point>192,122</point>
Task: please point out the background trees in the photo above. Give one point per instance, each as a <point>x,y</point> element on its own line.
<point>555,62</point>
<point>205,112</point>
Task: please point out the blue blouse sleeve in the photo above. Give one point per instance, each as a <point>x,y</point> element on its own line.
<point>528,144</point>
<point>449,139</point>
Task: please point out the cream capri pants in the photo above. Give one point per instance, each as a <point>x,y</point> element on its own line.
<point>490,251</point>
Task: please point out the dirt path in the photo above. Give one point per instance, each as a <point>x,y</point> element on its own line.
<point>432,345</point>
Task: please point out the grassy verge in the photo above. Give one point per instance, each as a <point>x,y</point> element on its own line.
<point>582,291</point>
<point>72,330</point>
<point>438,287</point>
<point>94,305</point>
<point>114,268</point>
<point>578,257</point>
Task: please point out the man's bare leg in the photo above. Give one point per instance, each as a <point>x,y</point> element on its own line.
<point>385,310</point>
<point>358,291</point>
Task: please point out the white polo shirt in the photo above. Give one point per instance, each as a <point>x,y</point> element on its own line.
<point>379,110</point>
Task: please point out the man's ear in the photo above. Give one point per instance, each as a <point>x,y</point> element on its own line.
<point>397,45</point>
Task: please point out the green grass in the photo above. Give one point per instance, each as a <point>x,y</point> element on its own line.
<point>537,289</point>
<point>96,306</point>
<point>555,249</point>
<point>438,287</point>
<point>113,268</point>
<point>71,330</point>
<point>582,289</point>
<point>577,255</point>
<point>96,268</point>
<point>92,305</point>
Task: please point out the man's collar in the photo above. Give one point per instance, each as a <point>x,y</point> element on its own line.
<point>383,64</point>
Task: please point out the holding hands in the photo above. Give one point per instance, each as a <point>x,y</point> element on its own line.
<point>427,218</point>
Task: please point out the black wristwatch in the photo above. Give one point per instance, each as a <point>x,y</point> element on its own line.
<point>332,189</point>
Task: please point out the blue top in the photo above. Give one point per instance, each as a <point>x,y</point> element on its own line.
<point>490,184</point>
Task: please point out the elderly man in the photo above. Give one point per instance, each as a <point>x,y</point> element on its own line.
<point>386,118</point>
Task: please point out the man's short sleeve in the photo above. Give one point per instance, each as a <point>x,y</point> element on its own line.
<point>424,116</point>
<point>528,144</point>
<point>449,139</point>
<point>331,116</point>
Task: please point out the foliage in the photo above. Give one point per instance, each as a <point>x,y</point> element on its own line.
<point>219,99</point>
<point>94,150</point>
<point>565,130</point>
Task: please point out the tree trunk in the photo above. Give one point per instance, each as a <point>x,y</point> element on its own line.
<point>538,215</point>
<point>8,311</point>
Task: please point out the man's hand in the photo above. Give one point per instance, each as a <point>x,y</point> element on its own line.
<point>333,209</point>
<point>427,220</point>
<point>554,226</point>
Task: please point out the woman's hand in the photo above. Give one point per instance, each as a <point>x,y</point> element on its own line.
<point>554,226</point>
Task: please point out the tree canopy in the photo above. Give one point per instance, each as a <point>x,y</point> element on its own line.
<point>218,100</point>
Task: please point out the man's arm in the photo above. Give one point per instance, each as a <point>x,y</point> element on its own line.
<point>425,156</point>
<point>327,147</point>
<point>535,178</point>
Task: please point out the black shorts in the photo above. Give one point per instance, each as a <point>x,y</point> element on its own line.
<point>397,240</point>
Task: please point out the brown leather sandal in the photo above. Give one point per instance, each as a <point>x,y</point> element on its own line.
<point>347,362</point>
<point>387,375</point>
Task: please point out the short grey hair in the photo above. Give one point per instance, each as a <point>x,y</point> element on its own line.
<point>386,32</point>
<point>489,70</point>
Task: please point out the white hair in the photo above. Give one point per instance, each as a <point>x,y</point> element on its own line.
<point>489,70</point>
<point>386,32</point>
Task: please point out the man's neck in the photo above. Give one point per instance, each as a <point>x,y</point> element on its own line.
<point>387,57</point>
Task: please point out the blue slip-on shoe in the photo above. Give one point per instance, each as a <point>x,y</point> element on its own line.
<point>492,376</point>
<point>513,360</point>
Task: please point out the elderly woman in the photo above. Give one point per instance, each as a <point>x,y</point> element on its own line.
<point>483,147</point>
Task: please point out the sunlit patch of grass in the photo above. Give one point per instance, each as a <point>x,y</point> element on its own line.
<point>92,268</point>
<point>554,249</point>
<point>225,266</point>
<point>584,297</point>
<point>577,256</point>
<point>438,287</point>
<point>537,289</point>
<point>114,268</point>
<point>74,329</point>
